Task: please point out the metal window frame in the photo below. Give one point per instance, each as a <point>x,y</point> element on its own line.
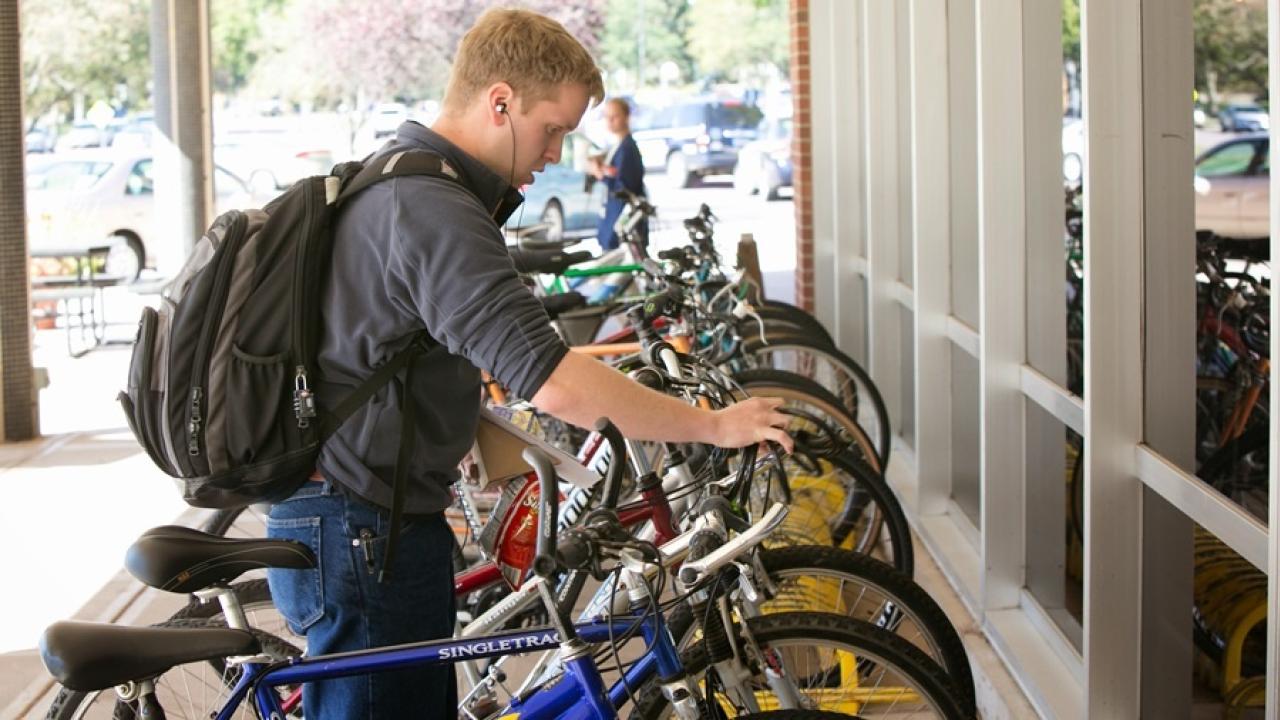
<point>1273,561</point>
<point>1132,81</point>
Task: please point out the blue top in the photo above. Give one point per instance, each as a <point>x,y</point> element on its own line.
<point>626,158</point>
<point>421,252</point>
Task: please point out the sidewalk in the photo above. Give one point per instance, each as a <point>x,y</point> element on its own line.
<point>74,501</point>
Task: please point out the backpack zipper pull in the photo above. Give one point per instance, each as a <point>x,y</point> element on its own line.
<point>304,401</point>
<point>197,420</point>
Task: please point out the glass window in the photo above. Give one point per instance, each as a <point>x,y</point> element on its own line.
<point>690,115</point>
<point>735,116</point>
<point>67,176</point>
<point>1234,159</point>
<point>140,181</point>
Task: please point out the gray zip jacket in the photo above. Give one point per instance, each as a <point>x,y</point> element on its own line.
<point>414,253</point>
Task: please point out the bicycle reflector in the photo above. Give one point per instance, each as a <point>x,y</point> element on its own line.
<point>511,536</point>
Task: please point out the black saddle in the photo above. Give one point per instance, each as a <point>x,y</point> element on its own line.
<point>182,560</point>
<point>556,305</point>
<point>535,243</point>
<point>87,656</point>
<point>551,262</point>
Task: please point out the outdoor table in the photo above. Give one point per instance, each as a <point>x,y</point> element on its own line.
<point>85,287</point>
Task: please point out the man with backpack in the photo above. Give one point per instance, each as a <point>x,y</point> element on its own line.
<point>420,270</point>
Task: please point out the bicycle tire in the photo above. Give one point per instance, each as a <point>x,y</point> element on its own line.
<point>75,705</point>
<point>867,502</point>
<point>789,636</point>
<point>935,635</point>
<point>787,316</point>
<point>260,611</point>
<point>777,309</point>
<point>769,382</point>
<point>864,486</point>
<point>846,380</point>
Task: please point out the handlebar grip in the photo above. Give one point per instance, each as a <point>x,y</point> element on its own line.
<point>574,551</point>
<point>617,462</point>
<point>544,562</point>
<point>671,254</point>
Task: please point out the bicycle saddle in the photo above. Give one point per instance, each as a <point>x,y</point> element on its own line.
<point>562,303</point>
<point>182,560</point>
<point>547,261</point>
<point>533,243</point>
<point>88,656</point>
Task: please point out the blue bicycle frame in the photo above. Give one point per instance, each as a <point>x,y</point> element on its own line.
<point>580,696</point>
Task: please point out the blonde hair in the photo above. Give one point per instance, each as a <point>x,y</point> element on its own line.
<point>530,52</point>
<point>621,105</point>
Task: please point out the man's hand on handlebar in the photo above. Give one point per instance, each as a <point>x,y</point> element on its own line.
<point>754,420</point>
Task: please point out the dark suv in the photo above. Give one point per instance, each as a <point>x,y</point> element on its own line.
<point>697,137</point>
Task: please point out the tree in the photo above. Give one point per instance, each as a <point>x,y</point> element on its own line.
<point>665,25</point>
<point>75,52</point>
<point>1071,30</point>
<point>241,32</point>
<point>1230,47</point>
<point>403,48</point>
<point>759,36</point>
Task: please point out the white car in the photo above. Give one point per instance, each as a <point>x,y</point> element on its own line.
<point>1233,187</point>
<point>93,198</point>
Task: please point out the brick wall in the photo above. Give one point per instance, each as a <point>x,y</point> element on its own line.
<point>801,152</point>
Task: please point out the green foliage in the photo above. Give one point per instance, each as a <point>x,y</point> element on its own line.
<point>665,24</point>
<point>1230,47</point>
<point>758,35</point>
<point>1071,30</point>
<point>94,49</point>
<point>241,33</point>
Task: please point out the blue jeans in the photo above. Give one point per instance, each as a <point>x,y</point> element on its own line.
<point>341,606</point>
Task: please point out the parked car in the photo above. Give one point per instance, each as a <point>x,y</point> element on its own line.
<point>39,140</point>
<point>764,164</point>
<point>1233,188</point>
<point>89,198</point>
<point>1072,149</point>
<point>270,159</point>
<point>563,196</point>
<point>1243,118</point>
<point>84,134</point>
<point>697,138</point>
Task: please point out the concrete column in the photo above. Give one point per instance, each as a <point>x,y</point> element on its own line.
<point>183,145</point>
<point>17,392</point>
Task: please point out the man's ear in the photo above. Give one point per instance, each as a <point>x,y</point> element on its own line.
<point>499,99</point>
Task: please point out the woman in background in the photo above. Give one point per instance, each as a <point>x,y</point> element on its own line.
<point>620,169</point>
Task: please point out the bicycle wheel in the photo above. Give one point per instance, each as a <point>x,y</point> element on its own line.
<point>805,394</point>
<point>259,610</point>
<point>833,663</point>
<point>833,370</point>
<point>241,522</point>
<point>771,310</point>
<point>813,577</point>
<point>844,504</point>
<point>195,690</point>
<point>822,579</point>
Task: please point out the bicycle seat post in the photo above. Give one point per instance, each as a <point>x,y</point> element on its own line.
<point>226,598</point>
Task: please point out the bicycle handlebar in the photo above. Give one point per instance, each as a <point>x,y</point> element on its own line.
<point>544,562</point>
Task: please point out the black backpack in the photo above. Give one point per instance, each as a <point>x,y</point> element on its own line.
<point>220,383</point>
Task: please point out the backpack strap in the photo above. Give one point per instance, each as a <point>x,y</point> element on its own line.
<point>408,415</point>
<point>402,360</point>
<point>396,164</point>
<point>372,384</point>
